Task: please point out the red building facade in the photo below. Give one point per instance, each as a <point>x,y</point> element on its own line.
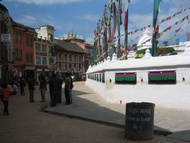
<point>23,50</point>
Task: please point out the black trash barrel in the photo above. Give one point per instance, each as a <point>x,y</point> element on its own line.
<point>139,121</point>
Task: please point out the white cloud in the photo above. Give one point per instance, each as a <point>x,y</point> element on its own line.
<point>90,38</point>
<point>89,17</point>
<point>27,20</point>
<point>46,2</point>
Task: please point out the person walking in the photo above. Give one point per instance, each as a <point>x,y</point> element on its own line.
<point>42,87</point>
<point>68,89</point>
<point>22,85</point>
<point>54,87</point>
<point>5,93</point>
<point>31,87</point>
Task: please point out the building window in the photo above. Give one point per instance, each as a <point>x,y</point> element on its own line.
<point>51,61</point>
<point>16,54</point>
<point>44,61</point>
<point>51,49</point>
<point>70,58</point>
<point>80,58</point>
<point>37,47</point>
<point>31,58</point>
<point>65,66</point>
<point>20,55</point>
<point>20,37</point>
<point>65,57</point>
<point>44,48</point>
<point>75,58</point>
<point>79,67</point>
<point>29,41</point>
<point>27,58</point>
<point>50,37</point>
<point>59,57</point>
<point>70,66</point>
<point>38,60</point>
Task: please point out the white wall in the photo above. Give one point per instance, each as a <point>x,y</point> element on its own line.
<point>167,95</point>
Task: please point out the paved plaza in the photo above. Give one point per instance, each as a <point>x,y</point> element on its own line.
<point>88,120</point>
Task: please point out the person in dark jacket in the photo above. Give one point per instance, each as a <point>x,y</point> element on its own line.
<point>59,99</point>
<point>22,85</point>
<point>54,87</point>
<point>68,89</point>
<point>43,87</point>
<point>31,87</point>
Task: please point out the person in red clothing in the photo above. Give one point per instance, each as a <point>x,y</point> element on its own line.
<point>5,93</point>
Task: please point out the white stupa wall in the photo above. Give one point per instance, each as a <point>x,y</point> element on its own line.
<point>165,95</point>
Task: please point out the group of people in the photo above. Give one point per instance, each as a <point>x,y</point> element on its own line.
<point>55,88</point>
<point>31,87</point>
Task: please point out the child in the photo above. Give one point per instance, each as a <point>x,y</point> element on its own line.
<point>5,98</point>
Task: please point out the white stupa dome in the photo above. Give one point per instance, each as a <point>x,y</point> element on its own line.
<point>145,41</point>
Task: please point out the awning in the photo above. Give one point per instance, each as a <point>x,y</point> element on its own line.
<point>162,75</point>
<point>127,76</point>
<point>29,68</point>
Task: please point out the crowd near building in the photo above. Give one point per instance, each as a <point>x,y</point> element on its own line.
<point>28,51</point>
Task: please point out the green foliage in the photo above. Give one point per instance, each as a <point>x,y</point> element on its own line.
<point>140,53</point>
<point>165,51</point>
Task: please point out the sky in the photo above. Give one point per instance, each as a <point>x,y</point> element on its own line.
<point>81,17</point>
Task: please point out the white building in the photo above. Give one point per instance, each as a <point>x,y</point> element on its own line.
<point>45,32</point>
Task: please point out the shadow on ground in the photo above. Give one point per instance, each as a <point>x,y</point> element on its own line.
<point>181,135</point>
<point>87,106</point>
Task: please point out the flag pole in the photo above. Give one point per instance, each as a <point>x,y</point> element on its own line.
<point>109,27</point>
<point>155,28</point>
<point>113,27</point>
<point>126,25</point>
<point>99,43</point>
<point>105,33</point>
<point>119,23</point>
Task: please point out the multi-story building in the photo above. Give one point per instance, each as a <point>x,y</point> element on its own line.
<point>6,45</point>
<point>46,32</point>
<point>23,49</point>
<point>86,46</point>
<point>44,57</point>
<point>69,57</point>
<point>45,51</point>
